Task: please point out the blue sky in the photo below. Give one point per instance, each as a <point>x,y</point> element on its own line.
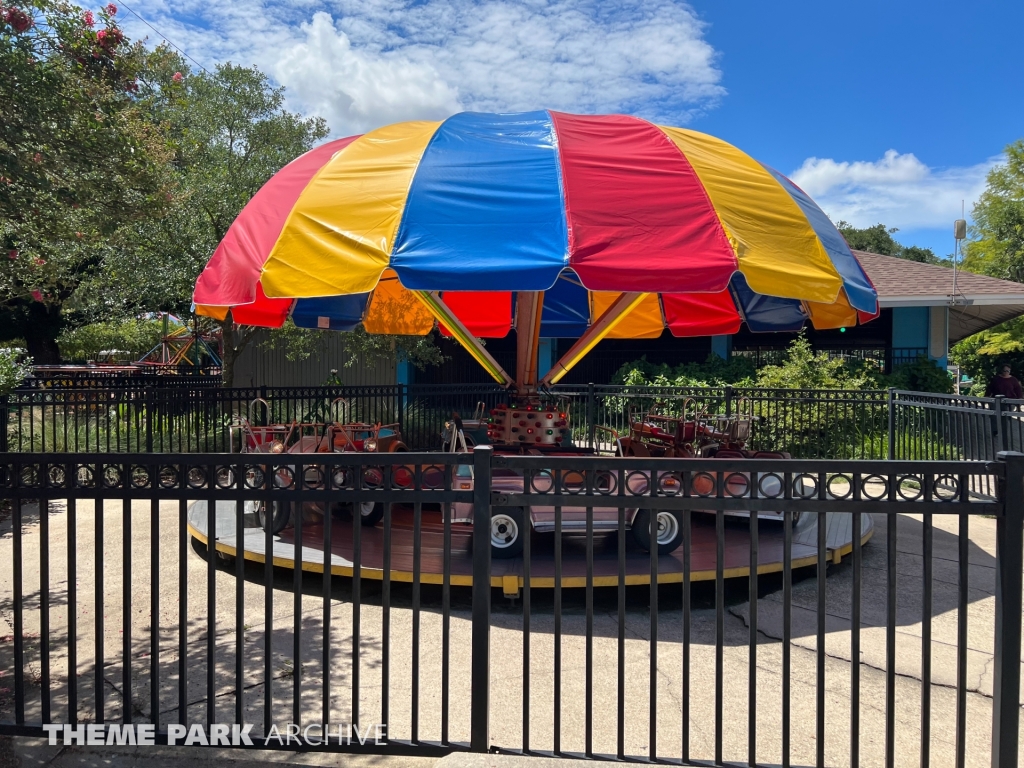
<point>883,111</point>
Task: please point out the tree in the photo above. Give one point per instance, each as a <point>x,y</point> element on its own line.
<point>996,246</point>
<point>879,239</point>
<point>230,134</point>
<point>79,158</point>
<point>362,347</point>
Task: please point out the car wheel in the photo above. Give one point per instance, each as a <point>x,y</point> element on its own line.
<point>371,512</point>
<point>669,530</point>
<point>278,521</point>
<point>507,532</point>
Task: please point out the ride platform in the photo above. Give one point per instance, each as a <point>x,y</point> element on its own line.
<point>509,574</point>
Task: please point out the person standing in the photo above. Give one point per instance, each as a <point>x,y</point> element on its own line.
<point>1004,384</point>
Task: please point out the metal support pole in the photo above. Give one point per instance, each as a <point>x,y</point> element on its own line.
<point>4,416</point>
<point>728,400</point>
<point>480,673</point>
<point>998,433</point>
<point>591,415</point>
<point>1006,656</point>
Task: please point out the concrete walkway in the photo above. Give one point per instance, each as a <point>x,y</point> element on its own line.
<point>507,652</point>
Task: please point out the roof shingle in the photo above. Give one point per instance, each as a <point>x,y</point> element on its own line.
<point>899,278</point>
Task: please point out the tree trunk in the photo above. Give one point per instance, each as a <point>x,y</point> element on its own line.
<point>42,349</point>
<point>235,340</point>
<point>40,326</point>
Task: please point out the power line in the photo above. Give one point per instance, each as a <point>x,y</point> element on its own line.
<point>166,39</point>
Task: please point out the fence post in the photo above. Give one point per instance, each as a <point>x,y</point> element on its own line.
<point>480,673</point>
<point>401,408</point>
<point>728,400</point>
<point>591,415</point>
<point>148,404</point>
<point>891,401</point>
<point>998,432</point>
<point>4,415</point>
<point>1006,655</point>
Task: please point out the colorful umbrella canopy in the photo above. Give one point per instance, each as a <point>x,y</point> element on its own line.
<point>584,208</point>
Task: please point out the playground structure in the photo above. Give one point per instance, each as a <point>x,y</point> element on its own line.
<point>185,347</point>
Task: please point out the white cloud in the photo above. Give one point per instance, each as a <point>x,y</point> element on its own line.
<point>896,190</point>
<point>365,63</point>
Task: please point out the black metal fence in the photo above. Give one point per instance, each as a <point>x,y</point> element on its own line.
<point>100,552</point>
<point>927,426</point>
<point>885,359</point>
<point>806,423</point>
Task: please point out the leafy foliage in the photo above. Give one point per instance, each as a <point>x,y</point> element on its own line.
<point>362,347</point>
<point>136,337</point>
<point>802,368</point>
<point>713,372</point>
<point>14,368</point>
<point>80,158</point>
<point>996,246</point>
<point>982,355</point>
<point>879,239</point>
<point>229,133</point>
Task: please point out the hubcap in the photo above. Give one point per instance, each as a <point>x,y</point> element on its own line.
<point>366,508</point>
<point>504,531</point>
<point>668,527</point>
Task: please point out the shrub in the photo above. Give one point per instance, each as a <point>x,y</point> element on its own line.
<point>14,369</point>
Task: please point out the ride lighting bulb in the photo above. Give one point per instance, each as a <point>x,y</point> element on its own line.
<point>561,415</point>
<point>551,432</point>
<point>529,431</point>
<point>522,423</point>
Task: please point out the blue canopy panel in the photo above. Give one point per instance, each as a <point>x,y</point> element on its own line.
<point>486,198</point>
<point>766,313</point>
<point>858,287</point>
<point>336,313</point>
<point>566,312</point>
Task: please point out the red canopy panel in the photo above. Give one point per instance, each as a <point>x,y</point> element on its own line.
<point>638,215</point>
<point>238,260</point>
<point>486,314</point>
<point>701,314</point>
<point>264,312</point>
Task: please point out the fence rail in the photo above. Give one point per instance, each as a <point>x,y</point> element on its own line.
<point>807,423</point>
<point>99,551</point>
<point>929,426</point>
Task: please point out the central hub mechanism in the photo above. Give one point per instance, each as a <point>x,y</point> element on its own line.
<point>534,423</point>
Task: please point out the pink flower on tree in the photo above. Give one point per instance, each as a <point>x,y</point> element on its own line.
<point>87,19</point>
<point>40,262</point>
<point>18,19</point>
<point>111,9</point>
<point>177,77</point>
<point>37,295</point>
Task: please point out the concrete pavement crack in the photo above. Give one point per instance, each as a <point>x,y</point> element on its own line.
<point>975,690</point>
